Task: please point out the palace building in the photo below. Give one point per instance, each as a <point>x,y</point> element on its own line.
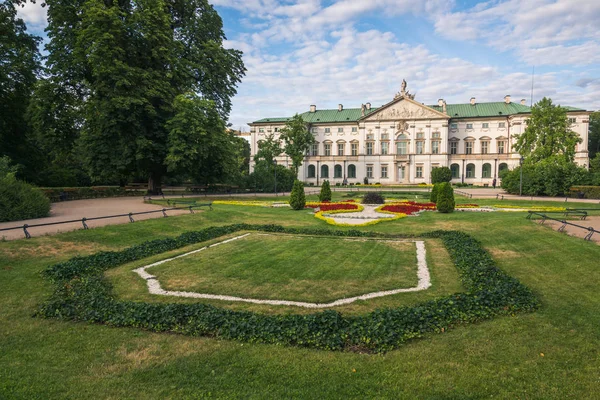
<point>401,141</point>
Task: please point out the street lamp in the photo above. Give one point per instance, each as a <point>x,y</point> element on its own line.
<point>275,169</point>
<point>521,182</point>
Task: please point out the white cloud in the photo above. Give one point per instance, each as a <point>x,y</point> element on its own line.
<point>34,15</point>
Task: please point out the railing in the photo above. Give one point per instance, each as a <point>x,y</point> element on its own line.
<point>564,223</point>
<point>84,220</point>
<point>468,195</point>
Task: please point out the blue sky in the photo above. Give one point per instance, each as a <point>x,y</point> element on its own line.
<point>326,52</point>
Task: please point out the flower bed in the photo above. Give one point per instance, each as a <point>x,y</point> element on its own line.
<point>334,206</point>
<point>407,208</point>
<point>467,206</point>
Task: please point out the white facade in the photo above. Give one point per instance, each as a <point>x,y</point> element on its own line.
<point>400,142</point>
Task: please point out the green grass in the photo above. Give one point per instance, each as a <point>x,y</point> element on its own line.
<point>500,358</point>
<point>280,267</point>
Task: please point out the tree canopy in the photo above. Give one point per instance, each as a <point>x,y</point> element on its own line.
<point>548,134</point>
<point>594,135</point>
<point>297,139</point>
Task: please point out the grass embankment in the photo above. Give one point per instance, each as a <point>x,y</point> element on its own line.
<point>552,353</point>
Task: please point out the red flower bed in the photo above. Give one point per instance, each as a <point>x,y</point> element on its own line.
<point>408,208</point>
<point>337,206</point>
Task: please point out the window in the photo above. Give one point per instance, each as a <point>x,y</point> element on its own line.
<point>502,125</point>
<point>501,145</point>
<point>469,126</point>
<point>327,130</point>
<point>453,147</point>
<point>385,136</point>
<point>572,120</point>
<point>486,171</point>
<point>370,136</point>
<point>354,129</point>
<point>384,148</point>
<point>315,130</point>
<point>354,149</point>
<point>502,167</point>
<point>485,147</point>
<point>468,147</point>
<point>419,135</point>
<point>384,171</point>
<point>401,147</point>
<point>435,147</point>
<point>470,170</point>
<point>351,171</point>
<point>314,149</point>
<point>369,148</point>
<point>420,147</point>
<point>324,171</point>
<point>485,125</point>
<point>311,171</point>
<point>340,130</point>
<point>455,168</point>
<point>435,135</point>
<point>337,171</point>
<point>453,126</point>
<point>261,130</point>
<point>340,149</point>
<point>327,149</point>
<point>276,129</point>
<point>370,171</point>
<point>419,172</point>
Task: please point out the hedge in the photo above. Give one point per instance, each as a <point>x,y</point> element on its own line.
<point>588,192</point>
<point>82,293</point>
<point>20,200</point>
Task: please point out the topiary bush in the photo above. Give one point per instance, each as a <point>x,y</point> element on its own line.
<point>373,198</point>
<point>297,197</point>
<point>441,174</point>
<point>445,198</point>
<point>19,200</point>
<point>434,192</point>
<point>325,194</point>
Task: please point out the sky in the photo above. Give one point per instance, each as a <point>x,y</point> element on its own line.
<point>350,52</point>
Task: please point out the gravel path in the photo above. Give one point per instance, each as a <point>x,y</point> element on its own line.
<point>154,287</point>
<point>360,217</point>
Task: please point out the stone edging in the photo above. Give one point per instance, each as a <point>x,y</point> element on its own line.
<point>154,287</point>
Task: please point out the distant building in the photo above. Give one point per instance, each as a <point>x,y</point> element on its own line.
<point>401,141</point>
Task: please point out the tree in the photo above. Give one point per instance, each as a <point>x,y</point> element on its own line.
<point>325,193</point>
<point>445,198</point>
<point>19,66</point>
<point>441,174</point>
<point>548,134</point>
<point>594,135</point>
<point>126,62</point>
<point>297,140</point>
<point>268,150</point>
<point>297,197</point>
<point>434,192</point>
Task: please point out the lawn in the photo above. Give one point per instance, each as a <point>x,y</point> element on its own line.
<point>552,353</point>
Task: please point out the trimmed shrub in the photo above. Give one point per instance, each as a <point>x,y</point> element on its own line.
<point>297,197</point>
<point>585,192</point>
<point>373,198</point>
<point>434,192</point>
<point>445,198</point>
<point>441,174</point>
<point>20,200</point>
<point>325,194</point>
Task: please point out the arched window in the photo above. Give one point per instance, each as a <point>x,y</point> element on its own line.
<point>455,168</point>
<point>351,171</point>
<point>486,171</point>
<point>337,171</point>
<point>312,171</point>
<point>324,171</point>
<point>470,170</point>
<point>503,167</point>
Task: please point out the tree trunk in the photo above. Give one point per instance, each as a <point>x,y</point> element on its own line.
<point>155,183</point>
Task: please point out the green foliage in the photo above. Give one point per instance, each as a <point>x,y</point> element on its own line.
<point>325,193</point>
<point>268,149</point>
<point>549,177</point>
<point>445,198</point>
<point>585,192</point>
<point>594,137</point>
<point>297,197</point>
<point>548,134</point>
<point>20,200</point>
<point>441,174</point>
<point>373,198</point>
<point>434,192</point>
<point>298,140</point>
<point>6,169</point>
<point>263,178</point>
<point>83,294</point>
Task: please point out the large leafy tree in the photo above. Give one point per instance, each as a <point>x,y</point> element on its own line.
<point>548,134</point>
<point>124,62</point>
<point>594,135</point>
<point>297,140</point>
<point>19,66</point>
<point>268,150</point>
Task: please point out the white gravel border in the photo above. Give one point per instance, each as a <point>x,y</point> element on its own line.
<point>155,288</point>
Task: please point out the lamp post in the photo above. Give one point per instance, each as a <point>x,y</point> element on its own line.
<point>275,169</point>
<point>521,182</point>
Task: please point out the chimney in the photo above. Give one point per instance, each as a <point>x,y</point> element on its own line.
<point>472,101</point>
<point>507,99</point>
<point>440,102</point>
<point>340,107</point>
<point>523,102</point>
<point>368,106</point>
<point>444,108</point>
<point>313,108</point>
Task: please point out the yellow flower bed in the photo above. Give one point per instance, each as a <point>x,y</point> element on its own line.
<point>331,221</point>
<point>532,208</point>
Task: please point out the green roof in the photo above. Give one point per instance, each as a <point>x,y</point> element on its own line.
<point>455,111</point>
